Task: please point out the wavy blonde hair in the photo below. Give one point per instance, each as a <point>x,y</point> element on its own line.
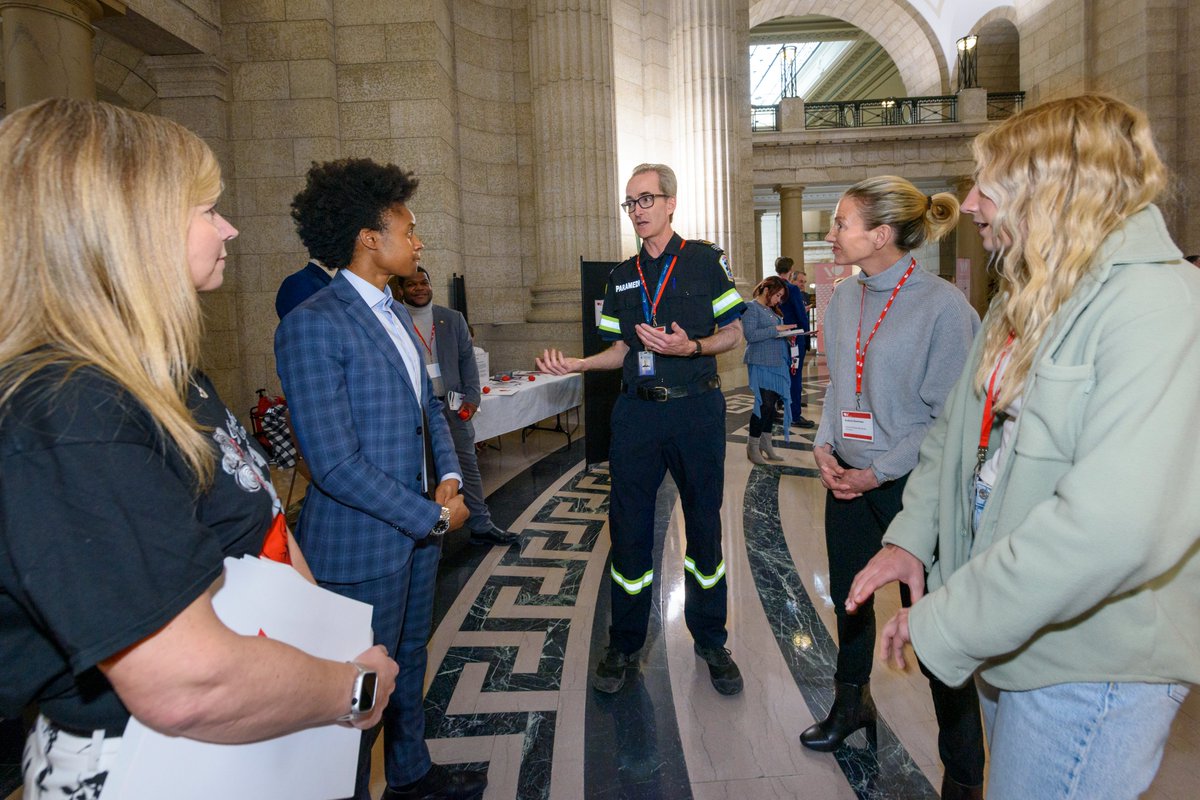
<point>1063,176</point>
<point>94,234</point>
<point>913,217</point>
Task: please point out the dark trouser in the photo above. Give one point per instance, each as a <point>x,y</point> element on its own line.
<point>402,620</point>
<point>853,534</point>
<point>798,389</point>
<point>769,408</point>
<point>687,437</point>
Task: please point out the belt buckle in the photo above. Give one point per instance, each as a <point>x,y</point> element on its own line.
<point>659,394</point>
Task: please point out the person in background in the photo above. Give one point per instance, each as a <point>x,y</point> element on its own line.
<point>1195,260</point>
<point>301,285</point>
<point>1053,507</point>
<point>767,363</point>
<point>386,480</point>
<point>795,313</point>
<point>124,479</point>
<point>667,311</point>
<point>896,337</point>
<point>444,342</point>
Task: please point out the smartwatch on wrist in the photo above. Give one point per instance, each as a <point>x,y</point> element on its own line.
<point>362,696</point>
<point>699,351</point>
<point>443,523</point>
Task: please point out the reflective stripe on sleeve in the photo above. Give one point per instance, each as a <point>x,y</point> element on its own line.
<point>609,324</point>
<point>722,303</point>
<point>637,584</point>
<point>705,581</point>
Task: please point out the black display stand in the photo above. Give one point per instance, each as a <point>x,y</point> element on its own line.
<point>600,389</point>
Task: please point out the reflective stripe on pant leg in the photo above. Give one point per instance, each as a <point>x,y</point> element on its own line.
<point>632,586</point>
<point>705,581</point>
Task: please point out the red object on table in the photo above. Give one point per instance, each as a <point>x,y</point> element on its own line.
<point>506,377</point>
<point>531,377</point>
<point>487,389</point>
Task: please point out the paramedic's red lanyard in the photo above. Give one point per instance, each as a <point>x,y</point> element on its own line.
<point>650,307</point>
<point>860,350</point>
<point>989,410</point>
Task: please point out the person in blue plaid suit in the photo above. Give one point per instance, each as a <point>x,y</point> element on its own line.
<point>385,478</point>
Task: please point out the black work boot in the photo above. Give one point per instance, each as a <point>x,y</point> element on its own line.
<point>852,709</point>
<point>953,790</point>
<point>725,676</point>
<point>612,669</point>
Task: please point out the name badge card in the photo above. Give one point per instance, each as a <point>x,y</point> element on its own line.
<point>434,369</point>
<point>645,363</point>
<point>858,425</point>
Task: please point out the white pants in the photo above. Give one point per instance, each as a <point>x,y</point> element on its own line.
<point>61,766</point>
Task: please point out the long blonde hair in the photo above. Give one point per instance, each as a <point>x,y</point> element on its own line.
<point>1063,176</point>
<point>94,235</point>
<point>913,217</point>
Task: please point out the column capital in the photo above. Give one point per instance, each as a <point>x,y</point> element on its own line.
<point>788,189</point>
<point>189,75</point>
<point>83,12</point>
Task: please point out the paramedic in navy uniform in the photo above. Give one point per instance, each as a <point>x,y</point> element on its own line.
<point>668,311</point>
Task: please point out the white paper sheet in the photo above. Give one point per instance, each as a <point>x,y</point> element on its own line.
<point>315,764</point>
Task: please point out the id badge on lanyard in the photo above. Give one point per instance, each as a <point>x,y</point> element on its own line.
<point>858,425</point>
<point>645,364</point>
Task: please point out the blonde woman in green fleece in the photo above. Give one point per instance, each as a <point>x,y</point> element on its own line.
<point>1059,522</point>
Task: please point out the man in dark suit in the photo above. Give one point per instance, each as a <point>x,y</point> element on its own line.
<point>445,344</point>
<point>385,477</point>
<point>301,285</point>
<point>795,312</point>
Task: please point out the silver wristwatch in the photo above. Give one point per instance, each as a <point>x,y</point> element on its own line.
<point>443,523</point>
<point>362,696</point>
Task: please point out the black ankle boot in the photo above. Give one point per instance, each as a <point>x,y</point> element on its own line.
<point>953,790</point>
<point>852,709</point>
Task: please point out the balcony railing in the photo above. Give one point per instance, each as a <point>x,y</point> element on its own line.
<point>1002,105</point>
<point>764,118</point>
<point>874,113</point>
<point>885,112</point>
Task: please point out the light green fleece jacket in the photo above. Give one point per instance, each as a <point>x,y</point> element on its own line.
<point>1086,565</point>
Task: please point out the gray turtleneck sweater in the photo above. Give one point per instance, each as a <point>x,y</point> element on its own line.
<point>916,356</point>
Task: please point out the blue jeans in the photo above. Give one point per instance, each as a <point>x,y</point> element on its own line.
<point>1077,741</point>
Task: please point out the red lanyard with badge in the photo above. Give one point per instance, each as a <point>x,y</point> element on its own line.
<point>989,409</point>
<point>650,307</point>
<point>431,364</point>
<point>858,424</point>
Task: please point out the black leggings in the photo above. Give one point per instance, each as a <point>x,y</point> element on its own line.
<point>769,407</point>
<point>853,534</point>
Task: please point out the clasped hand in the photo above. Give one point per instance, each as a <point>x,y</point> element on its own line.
<point>659,341</point>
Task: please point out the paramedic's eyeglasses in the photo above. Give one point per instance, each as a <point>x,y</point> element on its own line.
<point>645,201</point>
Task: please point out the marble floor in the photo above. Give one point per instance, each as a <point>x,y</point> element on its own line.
<point>517,630</point>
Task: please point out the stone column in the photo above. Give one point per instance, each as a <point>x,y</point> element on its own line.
<point>571,77</point>
<point>709,103</point>
<point>969,245</point>
<point>758,244</point>
<point>48,48</point>
<point>791,223</point>
<point>194,90</point>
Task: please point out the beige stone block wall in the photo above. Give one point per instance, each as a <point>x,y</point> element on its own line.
<point>1053,48</point>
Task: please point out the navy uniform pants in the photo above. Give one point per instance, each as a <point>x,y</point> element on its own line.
<point>687,437</point>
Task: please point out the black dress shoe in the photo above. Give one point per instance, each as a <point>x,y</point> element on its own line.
<point>801,422</point>
<point>442,784</point>
<point>494,536</point>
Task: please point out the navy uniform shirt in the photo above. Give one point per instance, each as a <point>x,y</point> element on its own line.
<point>699,296</point>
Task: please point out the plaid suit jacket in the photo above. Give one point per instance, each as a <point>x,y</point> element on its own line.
<point>359,425</point>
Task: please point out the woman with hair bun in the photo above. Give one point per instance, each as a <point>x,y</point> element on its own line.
<point>896,340</point>
<point>1054,506</point>
<point>124,480</point>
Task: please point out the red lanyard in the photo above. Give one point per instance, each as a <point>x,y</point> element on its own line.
<point>650,307</point>
<point>989,411</point>
<point>432,333</point>
<point>860,350</point>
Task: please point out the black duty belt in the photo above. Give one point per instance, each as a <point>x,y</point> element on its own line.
<point>661,394</point>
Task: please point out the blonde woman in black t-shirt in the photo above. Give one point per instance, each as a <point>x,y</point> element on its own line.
<point>124,480</point>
